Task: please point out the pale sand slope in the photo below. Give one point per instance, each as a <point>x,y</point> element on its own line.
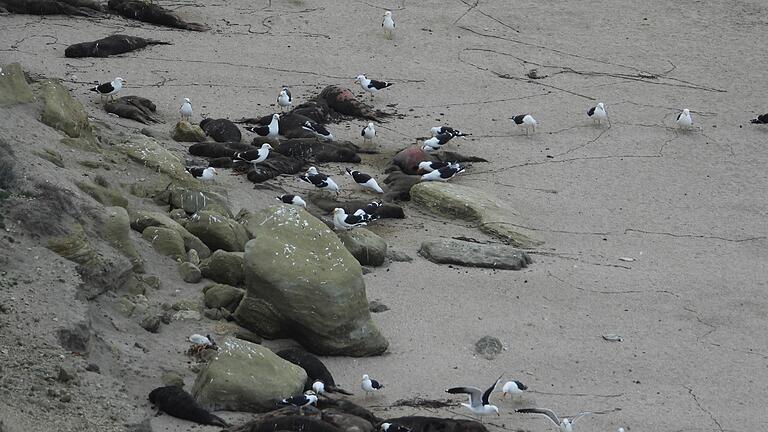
<point>690,207</point>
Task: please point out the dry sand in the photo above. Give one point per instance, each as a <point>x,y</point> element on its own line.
<point>689,207</point>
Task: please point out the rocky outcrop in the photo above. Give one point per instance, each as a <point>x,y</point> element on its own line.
<point>217,231</point>
<point>14,88</point>
<point>368,248</point>
<point>475,206</point>
<point>224,267</point>
<point>297,269</point>
<point>472,254</point>
<point>244,376</point>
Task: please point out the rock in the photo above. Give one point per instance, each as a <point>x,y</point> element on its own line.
<point>190,273</point>
<point>141,219</point>
<point>186,315</point>
<point>193,257</point>
<point>320,295</point>
<point>217,231</point>
<point>451,251</point>
<point>14,88</point>
<point>262,317</point>
<point>473,205</point>
<point>75,338</point>
<point>172,379</point>
<point>246,377</point>
<point>166,241</point>
<point>93,367</point>
<point>193,201</point>
<point>66,397</point>
<point>488,347</point>
<point>224,267</point>
<point>148,152</point>
<point>398,256</point>
<point>106,196</point>
<point>247,335</point>
<point>367,247</point>
<point>63,112</point>
<point>116,230</point>
<point>212,314</point>
<point>66,373</point>
<point>187,132</point>
<point>376,306</point>
<point>75,247</point>
<point>223,296</point>
<point>179,215</point>
<point>151,323</point>
<point>152,281</point>
<point>221,130</point>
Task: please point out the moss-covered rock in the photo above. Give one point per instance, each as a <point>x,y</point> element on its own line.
<point>106,196</point>
<point>141,219</point>
<point>224,267</point>
<point>193,201</point>
<point>75,247</point>
<point>189,272</point>
<point>14,88</point>
<point>166,241</point>
<point>217,231</point>
<point>223,296</point>
<point>185,131</point>
<point>51,156</point>
<point>117,231</point>
<point>63,112</point>
<point>150,153</point>
<point>368,248</point>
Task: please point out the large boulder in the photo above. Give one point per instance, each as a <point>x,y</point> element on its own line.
<point>141,219</point>
<point>63,112</point>
<point>471,254</point>
<point>368,248</point>
<point>217,231</point>
<point>224,267</point>
<point>244,376</point>
<point>185,131</point>
<point>473,205</point>
<point>299,267</point>
<point>192,201</point>
<point>151,154</point>
<point>222,296</point>
<point>14,88</point>
<point>166,242</point>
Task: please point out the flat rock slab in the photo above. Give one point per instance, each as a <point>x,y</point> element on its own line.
<point>472,254</point>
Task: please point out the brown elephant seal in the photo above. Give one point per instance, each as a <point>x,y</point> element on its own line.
<point>176,402</point>
<point>111,45</point>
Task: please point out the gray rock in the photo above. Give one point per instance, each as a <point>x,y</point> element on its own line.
<point>75,338</point>
<point>187,132</point>
<point>193,201</point>
<point>488,347</point>
<point>243,376</point>
<point>172,379</point>
<point>141,219</point>
<point>217,231</point>
<point>166,242</point>
<point>498,256</point>
<point>14,88</point>
<point>224,267</point>
<point>190,273</point>
<point>473,205</point>
<point>248,335</point>
<point>193,257</point>
<point>212,314</point>
<point>151,323</point>
<point>398,256</point>
<point>93,367</point>
<point>66,373</point>
<point>376,306</point>
<point>186,315</point>
<point>300,269</point>
<point>367,247</point>
<point>223,296</point>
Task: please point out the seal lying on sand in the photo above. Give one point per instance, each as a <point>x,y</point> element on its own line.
<point>152,13</point>
<point>178,403</point>
<point>111,45</point>
<point>288,423</point>
<point>52,7</point>
<point>316,370</point>
<point>134,108</point>
<point>221,130</point>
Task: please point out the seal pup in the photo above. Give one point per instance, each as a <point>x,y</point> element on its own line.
<point>176,402</point>
<point>318,375</point>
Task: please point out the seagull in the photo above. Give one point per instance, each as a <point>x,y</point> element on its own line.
<point>318,387</point>
<point>371,209</point>
<point>684,119</point>
<point>297,201</point>
<point>443,174</point>
<point>565,424</point>
<point>371,86</point>
<point>301,401</point>
<point>270,131</point>
<point>438,140</point>
<point>621,429</point>
<point>342,221</point>
<point>368,133</point>
<point>205,174</point>
<point>320,180</point>
<point>284,99</point>
<point>391,427</point>
<point>597,113</point>
<point>429,166</point>
<point>478,402</point>
<point>370,385</point>
<point>447,129</point>
<point>364,180</point>
<point>186,110</point>
<point>388,24</point>
<point>199,339</point>
<point>515,388</point>
<point>428,149</point>
<point>262,152</point>
<point>525,121</point>
<point>109,89</point>
<point>761,119</point>
<point>319,130</point>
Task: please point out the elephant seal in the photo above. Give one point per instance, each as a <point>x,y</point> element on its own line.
<point>151,13</point>
<point>313,366</point>
<point>287,423</point>
<point>221,130</point>
<point>111,45</point>
<point>435,424</point>
<point>52,7</point>
<point>134,108</point>
<point>176,402</point>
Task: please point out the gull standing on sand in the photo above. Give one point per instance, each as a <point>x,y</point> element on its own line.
<point>684,119</point>
<point>109,89</point>
<point>525,121</point>
<point>205,174</point>
<point>597,113</point>
<point>478,402</point>
<point>261,155</point>
<point>388,24</point>
<point>284,99</point>
<point>320,180</point>
<point>364,180</point>
<point>370,385</point>
<point>371,86</point>
<point>342,222</point>
<point>269,131</point>
<point>186,110</point>
<point>297,201</point>
<point>514,388</point>
<point>565,424</point>
<point>368,133</point>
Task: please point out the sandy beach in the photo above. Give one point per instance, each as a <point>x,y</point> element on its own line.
<point>652,233</point>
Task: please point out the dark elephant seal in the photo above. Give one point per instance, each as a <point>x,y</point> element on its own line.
<point>287,423</point>
<point>111,45</point>
<point>313,366</point>
<point>176,402</point>
<point>436,424</point>
<point>52,7</point>
<point>310,149</point>
<point>149,12</point>
<point>134,108</point>
<point>221,130</point>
